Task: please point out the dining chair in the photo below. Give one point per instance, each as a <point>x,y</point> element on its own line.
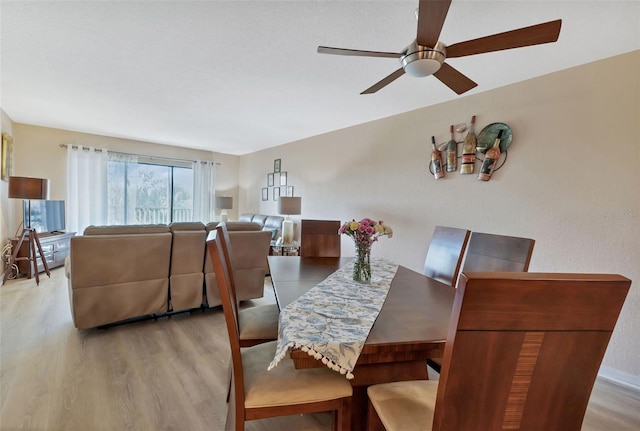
<point>257,324</point>
<point>541,338</point>
<point>257,393</point>
<point>490,252</point>
<point>445,254</point>
<point>319,238</point>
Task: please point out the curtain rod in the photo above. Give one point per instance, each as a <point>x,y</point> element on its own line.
<point>141,155</point>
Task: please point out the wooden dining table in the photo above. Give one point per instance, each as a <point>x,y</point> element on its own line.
<point>411,327</point>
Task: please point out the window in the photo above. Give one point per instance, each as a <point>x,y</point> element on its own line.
<point>144,191</point>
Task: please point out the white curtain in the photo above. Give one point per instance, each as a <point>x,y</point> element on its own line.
<point>204,203</point>
<point>86,187</point>
<point>122,189</point>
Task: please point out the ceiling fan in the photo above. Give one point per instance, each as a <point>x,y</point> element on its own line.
<point>426,55</point>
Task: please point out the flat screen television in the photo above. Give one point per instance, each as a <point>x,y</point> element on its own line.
<point>44,215</point>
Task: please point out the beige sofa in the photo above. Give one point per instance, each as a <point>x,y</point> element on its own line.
<point>116,273</point>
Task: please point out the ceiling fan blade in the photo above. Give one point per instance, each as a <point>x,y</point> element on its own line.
<point>431,16</point>
<point>454,79</point>
<point>526,36</point>
<point>357,52</point>
<point>384,82</point>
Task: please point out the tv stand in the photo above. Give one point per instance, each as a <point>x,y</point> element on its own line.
<point>55,246</point>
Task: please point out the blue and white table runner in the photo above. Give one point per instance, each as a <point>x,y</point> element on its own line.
<point>331,322</point>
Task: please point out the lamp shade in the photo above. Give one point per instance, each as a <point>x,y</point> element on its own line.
<point>224,202</point>
<point>289,205</point>
<point>28,188</point>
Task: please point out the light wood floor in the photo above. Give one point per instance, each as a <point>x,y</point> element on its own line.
<point>168,374</point>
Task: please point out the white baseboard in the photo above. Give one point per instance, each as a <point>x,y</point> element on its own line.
<point>620,377</point>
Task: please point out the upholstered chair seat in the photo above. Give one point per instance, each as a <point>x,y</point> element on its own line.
<point>284,385</point>
<point>258,324</point>
<point>405,406</point>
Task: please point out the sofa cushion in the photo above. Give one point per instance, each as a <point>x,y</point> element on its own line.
<point>185,226</point>
<point>233,226</point>
<point>260,219</point>
<point>246,217</point>
<point>186,280</point>
<point>126,229</point>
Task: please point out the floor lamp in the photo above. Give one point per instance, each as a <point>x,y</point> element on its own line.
<point>28,188</point>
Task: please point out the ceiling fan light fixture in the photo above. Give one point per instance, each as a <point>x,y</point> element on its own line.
<point>422,61</point>
<point>422,67</point>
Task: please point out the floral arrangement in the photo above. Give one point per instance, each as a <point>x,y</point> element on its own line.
<point>364,233</point>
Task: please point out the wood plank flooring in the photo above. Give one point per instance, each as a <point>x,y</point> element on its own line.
<point>168,374</point>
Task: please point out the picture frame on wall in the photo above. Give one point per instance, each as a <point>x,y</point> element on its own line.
<point>283,178</point>
<point>289,191</point>
<point>265,193</point>
<point>6,165</point>
<point>276,193</point>
<point>269,180</point>
<point>276,165</point>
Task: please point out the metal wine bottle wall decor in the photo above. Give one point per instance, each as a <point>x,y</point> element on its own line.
<point>492,142</point>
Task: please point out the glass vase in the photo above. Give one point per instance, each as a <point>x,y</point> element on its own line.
<point>362,264</point>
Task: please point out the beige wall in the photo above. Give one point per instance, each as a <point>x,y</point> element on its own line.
<point>6,207</point>
<point>571,180</point>
<point>38,154</point>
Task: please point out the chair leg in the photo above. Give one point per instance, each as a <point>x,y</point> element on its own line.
<point>230,368</point>
<point>235,419</point>
<point>342,416</point>
<point>373,421</point>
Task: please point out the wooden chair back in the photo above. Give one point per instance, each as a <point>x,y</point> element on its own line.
<point>225,245</point>
<point>488,252</point>
<point>319,238</point>
<point>224,279</point>
<point>263,318</point>
<point>445,254</point>
<point>523,349</point>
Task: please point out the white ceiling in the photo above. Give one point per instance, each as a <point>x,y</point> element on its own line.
<point>240,76</point>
